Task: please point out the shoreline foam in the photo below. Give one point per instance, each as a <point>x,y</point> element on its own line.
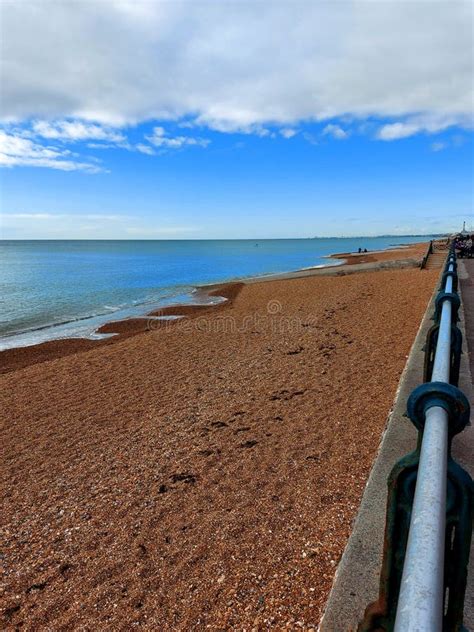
<point>210,296</point>
<point>86,326</point>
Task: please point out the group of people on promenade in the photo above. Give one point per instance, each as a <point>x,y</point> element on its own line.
<point>464,245</point>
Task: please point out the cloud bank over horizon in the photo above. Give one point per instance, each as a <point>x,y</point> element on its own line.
<point>238,66</point>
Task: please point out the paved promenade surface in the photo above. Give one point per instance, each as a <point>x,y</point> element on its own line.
<point>464,449</point>
<point>467,289</point>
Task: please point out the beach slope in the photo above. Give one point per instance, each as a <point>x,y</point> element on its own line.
<point>204,474</point>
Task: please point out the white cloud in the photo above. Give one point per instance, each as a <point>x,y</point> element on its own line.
<point>22,146</point>
<point>57,216</point>
<point>160,139</point>
<point>421,124</point>
<point>394,131</point>
<point>102,146</point>
<point>335,131</point>
<point>140,147</point>
<point>224,65</point>
<point>311,138</point>
<point>439,146</point>
<point>144,149</point>
<point>18,151</point>
<point>33,216</point>
<point>72,131</point>
<point>288,132</point>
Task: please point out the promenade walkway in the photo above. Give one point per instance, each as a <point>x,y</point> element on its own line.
<point>467,289</point>
<point>466,446</point>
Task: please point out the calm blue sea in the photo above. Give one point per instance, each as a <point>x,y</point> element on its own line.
<point>57,289</point>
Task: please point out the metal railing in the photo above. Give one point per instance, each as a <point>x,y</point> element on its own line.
<point>430,504</point>
<point>420,603</point>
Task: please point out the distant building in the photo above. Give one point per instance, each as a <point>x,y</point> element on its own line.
<point>464,231</point>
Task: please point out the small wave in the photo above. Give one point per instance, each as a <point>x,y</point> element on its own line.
<point>339,262</point>
<point>87,326</point>
<point>68,321</point>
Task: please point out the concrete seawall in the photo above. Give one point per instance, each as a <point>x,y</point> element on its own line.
<point>356,583</point>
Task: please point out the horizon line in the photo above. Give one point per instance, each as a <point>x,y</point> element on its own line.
<point>443,234</point>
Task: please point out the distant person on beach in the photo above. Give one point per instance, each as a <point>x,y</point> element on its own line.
<point>365,250</point>
<point>360,250</point>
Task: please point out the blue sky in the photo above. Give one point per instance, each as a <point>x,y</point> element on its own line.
<point>184,121</point>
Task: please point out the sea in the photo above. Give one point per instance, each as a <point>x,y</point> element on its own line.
<point>67,289</point>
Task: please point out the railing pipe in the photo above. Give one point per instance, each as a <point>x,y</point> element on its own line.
<point>442,360</point>
<point>420,601</point>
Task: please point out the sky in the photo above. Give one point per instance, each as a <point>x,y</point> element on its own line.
<point>233,119</point>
